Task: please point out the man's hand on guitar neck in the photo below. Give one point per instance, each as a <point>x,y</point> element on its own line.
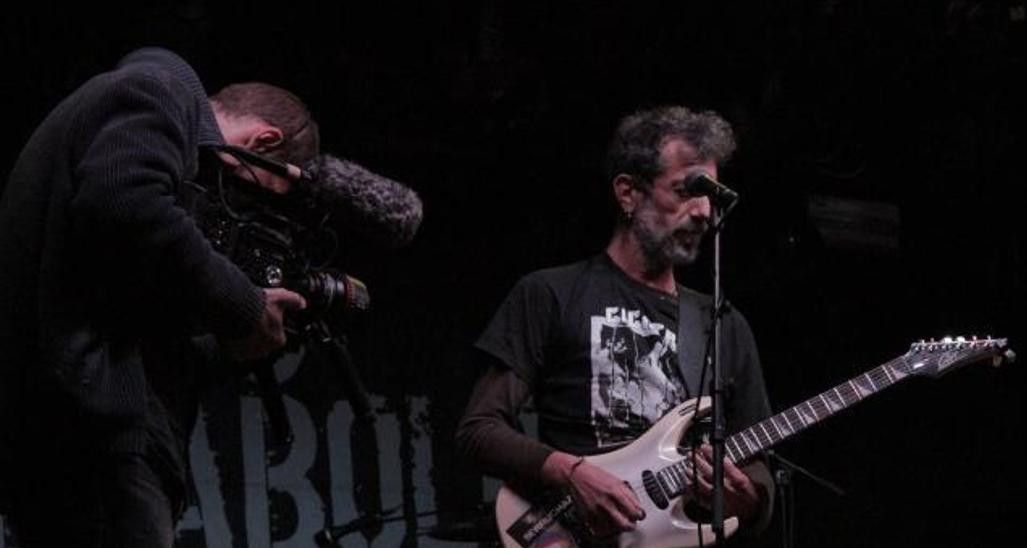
<point>741,497</point>
<point>607,503</point>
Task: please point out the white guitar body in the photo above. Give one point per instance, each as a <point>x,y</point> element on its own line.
<point>656,449</point>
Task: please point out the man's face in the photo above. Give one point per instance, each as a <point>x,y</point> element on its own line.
<point>669,223</point>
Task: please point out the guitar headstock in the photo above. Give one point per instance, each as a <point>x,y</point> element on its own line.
<point>935,358</point>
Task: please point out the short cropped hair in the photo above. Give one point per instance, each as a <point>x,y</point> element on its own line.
<point>280,108</point>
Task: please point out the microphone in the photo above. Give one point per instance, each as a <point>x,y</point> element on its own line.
<point>282,169</point>
<point>364,201</point>
<point>701,183</point>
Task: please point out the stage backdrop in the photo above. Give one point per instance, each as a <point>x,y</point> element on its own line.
<point>250,491</point>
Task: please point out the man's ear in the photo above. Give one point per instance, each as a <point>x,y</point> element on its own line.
<point>264,139</point>
<point>624,187</point>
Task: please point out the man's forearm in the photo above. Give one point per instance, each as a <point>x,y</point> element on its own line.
<point>487,434</point>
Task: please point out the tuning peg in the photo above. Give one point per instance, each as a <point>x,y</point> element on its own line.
<point>1006,357</point>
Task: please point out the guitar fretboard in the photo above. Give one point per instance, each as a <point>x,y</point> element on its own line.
<point>793,420</point>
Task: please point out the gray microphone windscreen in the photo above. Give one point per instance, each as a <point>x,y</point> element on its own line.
<point>385,210</point>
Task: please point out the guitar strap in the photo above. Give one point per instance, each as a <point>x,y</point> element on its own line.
<point>693,334</point>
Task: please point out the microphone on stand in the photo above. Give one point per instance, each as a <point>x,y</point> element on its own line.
<point>723,200</point>
<point>701,183</point>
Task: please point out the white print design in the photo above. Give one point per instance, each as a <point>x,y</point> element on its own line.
<point>634,379</point>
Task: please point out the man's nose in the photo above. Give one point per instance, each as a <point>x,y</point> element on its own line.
<point>699,209</point>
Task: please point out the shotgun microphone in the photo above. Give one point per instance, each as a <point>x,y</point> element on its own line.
<point>282,169</point>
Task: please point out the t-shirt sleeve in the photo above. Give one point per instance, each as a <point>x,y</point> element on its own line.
<point>518,334</point>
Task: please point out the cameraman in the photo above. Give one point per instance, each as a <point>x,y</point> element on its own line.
<point>106,288</point>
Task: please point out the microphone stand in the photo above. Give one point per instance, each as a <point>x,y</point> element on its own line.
<point>783,478</point>
<point>718,213</point>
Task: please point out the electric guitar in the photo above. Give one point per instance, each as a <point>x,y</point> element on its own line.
<point>658,472</point>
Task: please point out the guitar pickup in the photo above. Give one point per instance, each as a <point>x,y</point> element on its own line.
<point>654,490</point>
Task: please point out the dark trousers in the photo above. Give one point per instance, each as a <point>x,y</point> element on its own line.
<point>120,502</point>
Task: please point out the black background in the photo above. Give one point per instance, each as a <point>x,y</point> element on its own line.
<point>497,113</point>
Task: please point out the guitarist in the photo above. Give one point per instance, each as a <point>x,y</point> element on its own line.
<point>596,343</point>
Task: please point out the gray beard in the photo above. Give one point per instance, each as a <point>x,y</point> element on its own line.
<point>660,249</point>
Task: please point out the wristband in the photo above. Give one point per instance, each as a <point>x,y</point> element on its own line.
<point>575,467</point>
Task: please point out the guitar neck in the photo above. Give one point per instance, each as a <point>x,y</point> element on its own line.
<point>793,420</point>
<point>924,358</point>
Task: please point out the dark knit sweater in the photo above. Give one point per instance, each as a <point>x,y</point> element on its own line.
<point>97,257</point>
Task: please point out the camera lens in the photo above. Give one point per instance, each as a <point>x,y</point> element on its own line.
<point>334,293</point>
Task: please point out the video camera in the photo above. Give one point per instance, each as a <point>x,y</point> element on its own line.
<point>277,240</point>
<point>289,241</point>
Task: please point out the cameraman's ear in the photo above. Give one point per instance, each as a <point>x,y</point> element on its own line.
<point>264,139</point>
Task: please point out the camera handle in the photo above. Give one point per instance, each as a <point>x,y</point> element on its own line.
<point>334,350</point>
<point>331,348</point>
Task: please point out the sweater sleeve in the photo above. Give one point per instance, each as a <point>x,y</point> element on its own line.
<point>134,144</point>
<point>489,435</point>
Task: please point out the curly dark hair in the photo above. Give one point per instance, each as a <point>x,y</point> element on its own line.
<point>280,108</point>
<point>635,147</point>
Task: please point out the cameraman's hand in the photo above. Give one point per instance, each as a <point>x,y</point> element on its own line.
<point>269,334</point>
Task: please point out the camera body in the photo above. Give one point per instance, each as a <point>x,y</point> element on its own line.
<point>276,240</point>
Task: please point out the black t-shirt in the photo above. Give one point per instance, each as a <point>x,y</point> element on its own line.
<point>600,352</point>
<point>598,348</point>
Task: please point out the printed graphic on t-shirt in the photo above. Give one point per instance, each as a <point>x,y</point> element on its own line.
<point>634,382</point>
